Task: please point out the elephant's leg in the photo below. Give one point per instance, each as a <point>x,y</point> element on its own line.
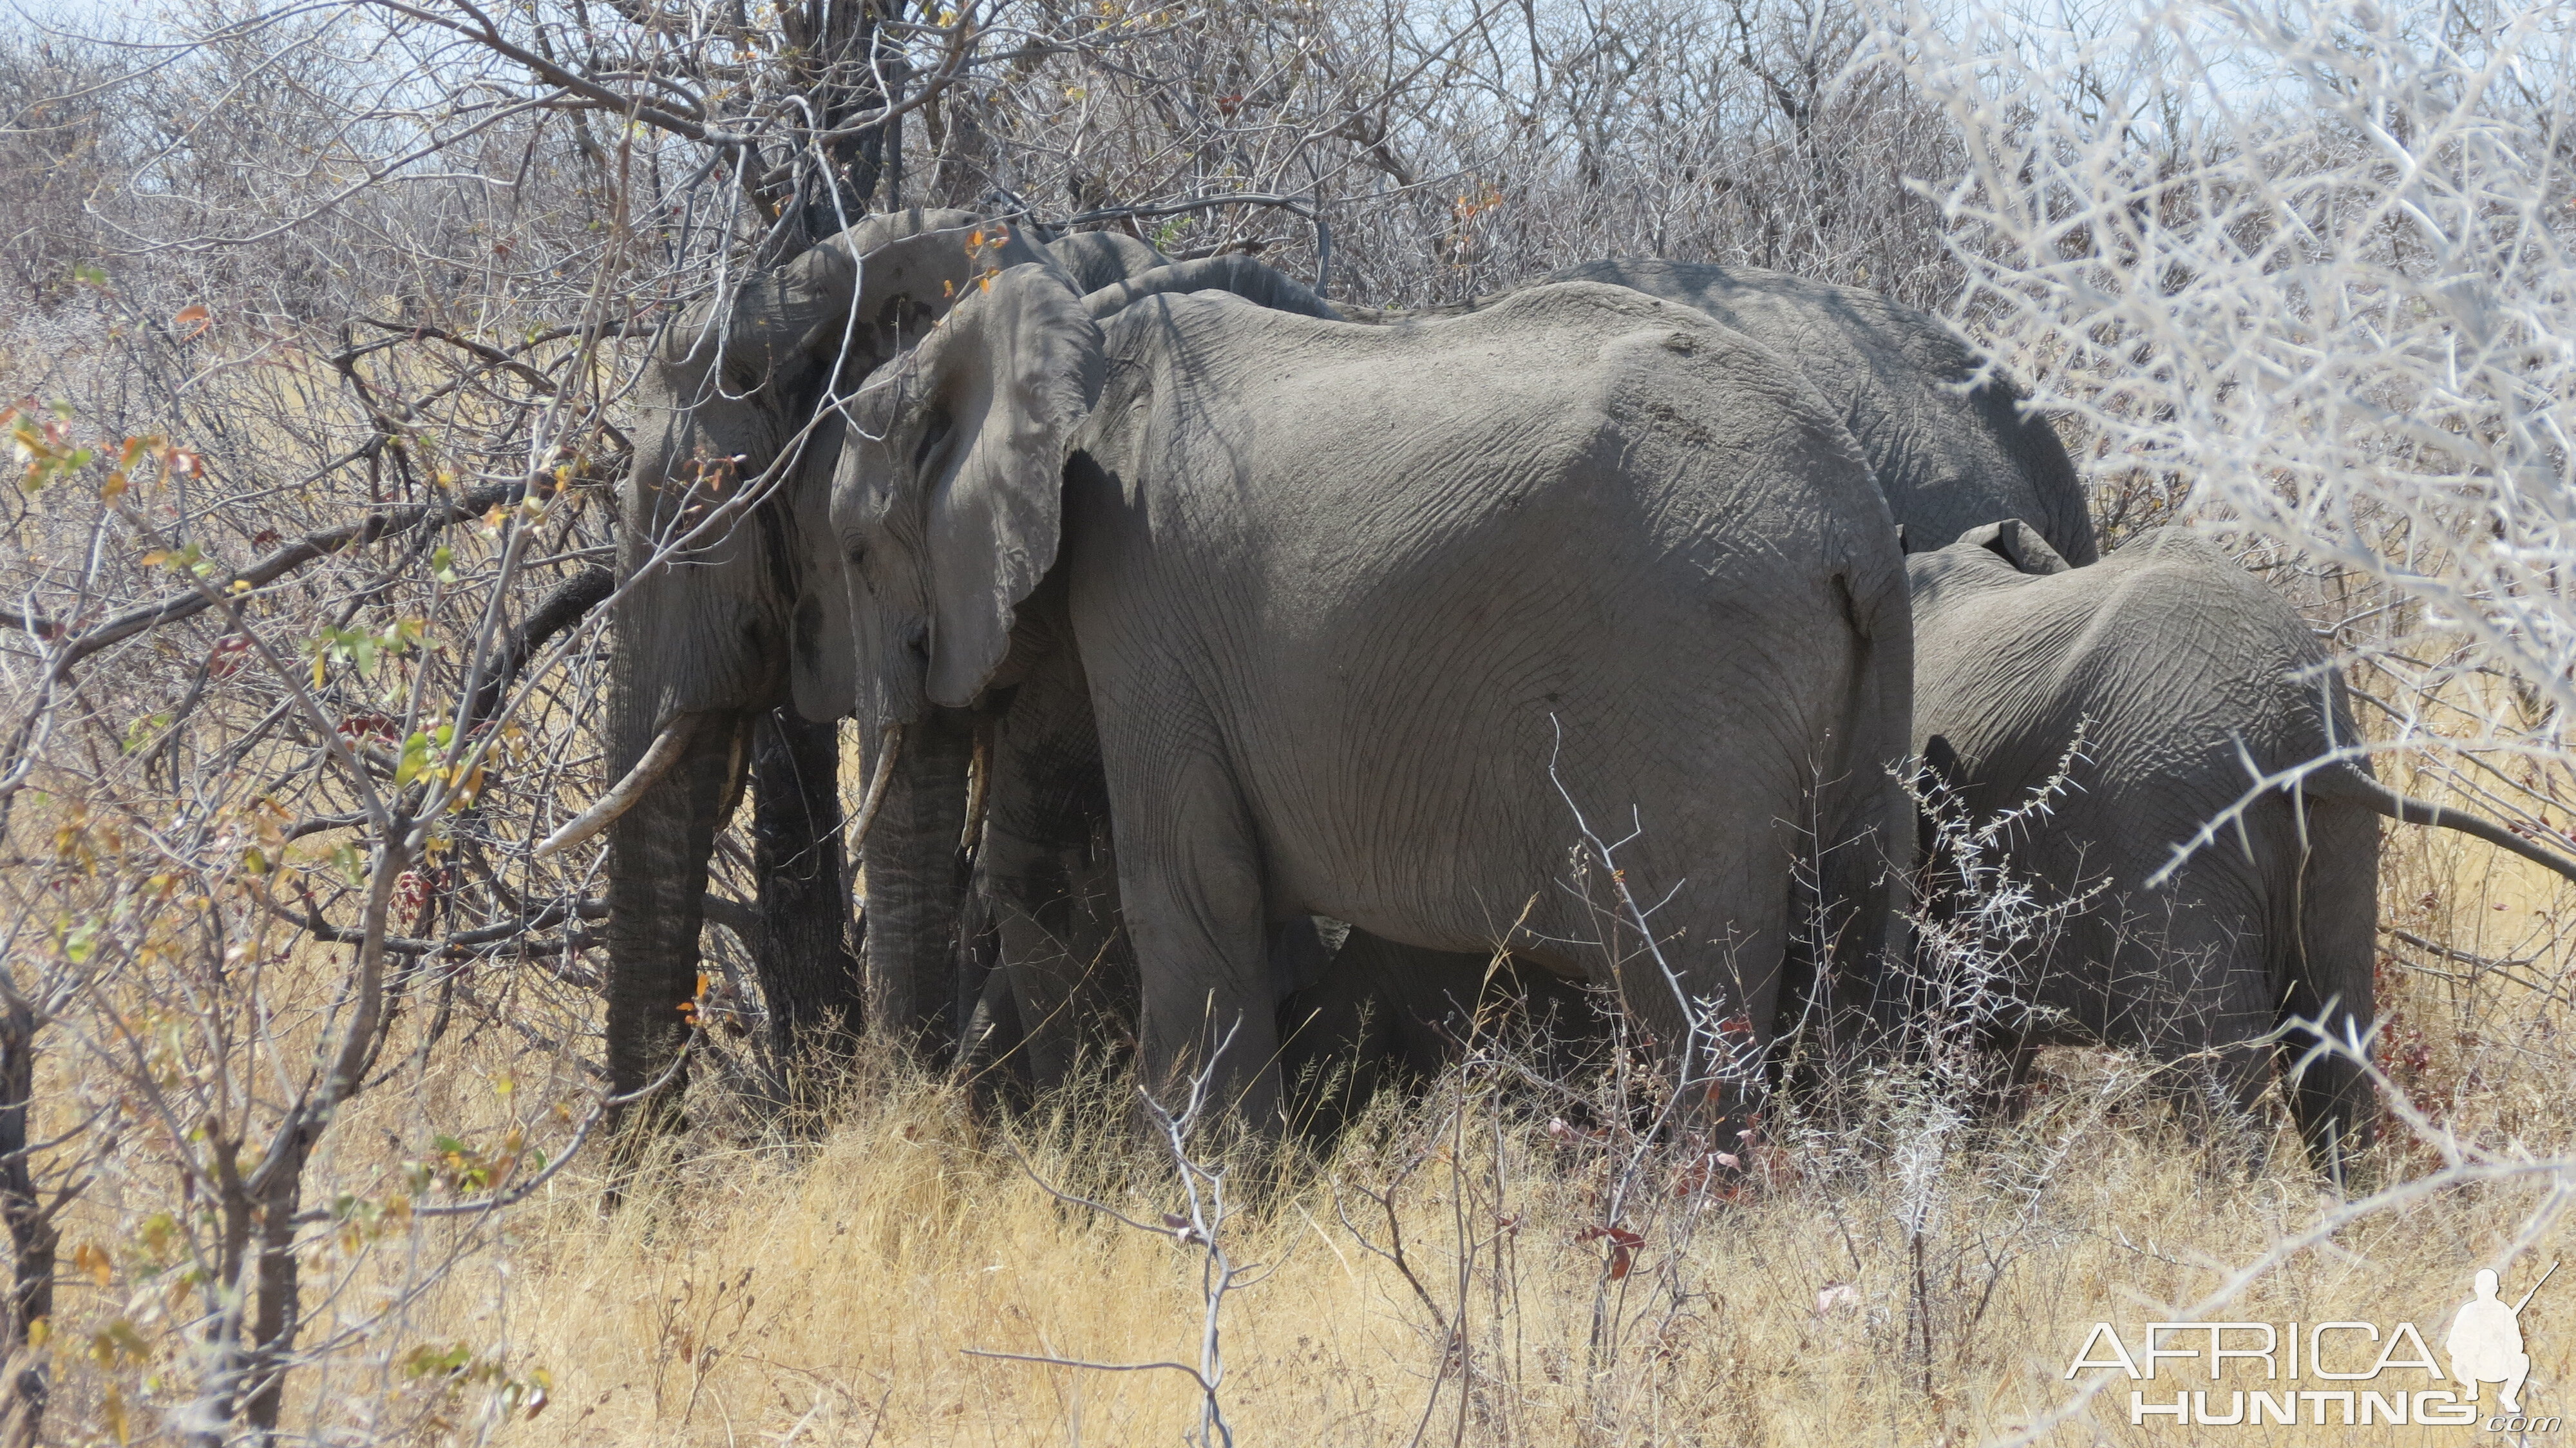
<point>1047,864</point>
<point>1738,1047</point>
<point>1104,996</point>
<point>1034,909</point>
<point>996,1066</point>
<point>1190,879</point>
<point>1864,840</point>
<point>1337,1035</point>
<point>808,976</point>
<point>2211,1002</point>
<point>2330,962</point>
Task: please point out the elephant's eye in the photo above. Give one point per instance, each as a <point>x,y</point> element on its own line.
<point>857,553</point>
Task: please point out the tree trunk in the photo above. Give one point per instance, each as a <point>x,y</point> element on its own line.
<point>801,944</point>
<point>280,1312</point>
<point>32,1237</point>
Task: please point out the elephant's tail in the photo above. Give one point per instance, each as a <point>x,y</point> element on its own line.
<point>1865,849</point>
<point>2346,785</point>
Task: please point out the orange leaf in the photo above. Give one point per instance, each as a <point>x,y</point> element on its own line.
<point>191,320</point>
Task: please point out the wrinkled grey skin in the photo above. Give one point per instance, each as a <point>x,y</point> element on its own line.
<point>2177,658</point>
<point>1334,591</point>
<point>1095,259</point>
<point>711,634</point>
<point>1949,456</point>
<point>1045,891</point>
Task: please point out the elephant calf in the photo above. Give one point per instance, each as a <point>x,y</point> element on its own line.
<point>2178,667</point>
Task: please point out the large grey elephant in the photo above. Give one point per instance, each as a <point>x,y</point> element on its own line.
<point>1350,605</point>
<point>1950,445</point>
<point>1950,441</point>
<point>2179,668</point>
<point>732,458</point>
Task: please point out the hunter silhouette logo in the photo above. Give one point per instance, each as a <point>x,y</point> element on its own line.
<point>2363,1375</point>
<point>2485,1344</point>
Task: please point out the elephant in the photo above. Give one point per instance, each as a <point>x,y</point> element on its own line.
<point>1095,259</point>
<point>1071,987</point>
<point>2183,674</point>
<point>733,456</point>
<point>1948,439</point>
<point>1376,1015</point>
<point>1365,616</point>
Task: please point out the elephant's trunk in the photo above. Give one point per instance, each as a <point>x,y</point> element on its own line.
<point>657,872</point>
<point>913,885</point>
<point>2350,786</point>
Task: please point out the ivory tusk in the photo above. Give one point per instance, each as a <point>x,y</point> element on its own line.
<point>888,747</point>
<point>664,752</point>
<point>979,783</point>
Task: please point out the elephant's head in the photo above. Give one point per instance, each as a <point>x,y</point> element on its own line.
<point>733,399</point>
<point>1095,259</point>
<point>947,502</point>
<point>944,511</point>
<point>724,507</point>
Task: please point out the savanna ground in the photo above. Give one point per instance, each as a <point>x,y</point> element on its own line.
<point>321,330</point>
<point>1914,1281</point>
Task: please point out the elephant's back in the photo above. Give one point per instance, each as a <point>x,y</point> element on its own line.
<point>1324,447</point>
<point>1583,538</point>
<point>2173,666</point>
<point>1950,443</point>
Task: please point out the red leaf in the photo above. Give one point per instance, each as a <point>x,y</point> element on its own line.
<point>1623,1247</point>
<point>225,659</point>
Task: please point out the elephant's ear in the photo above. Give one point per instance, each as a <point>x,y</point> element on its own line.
<point>2018,544</point>
<point>997,392</point>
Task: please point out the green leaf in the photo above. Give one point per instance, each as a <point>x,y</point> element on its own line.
<point>415,758</point>
<point>435,1360</point>
<point>141,730</point>
<point>442,563</point>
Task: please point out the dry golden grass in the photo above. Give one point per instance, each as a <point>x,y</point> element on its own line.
<point>828,1293</point>
<point>825,1289</point>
